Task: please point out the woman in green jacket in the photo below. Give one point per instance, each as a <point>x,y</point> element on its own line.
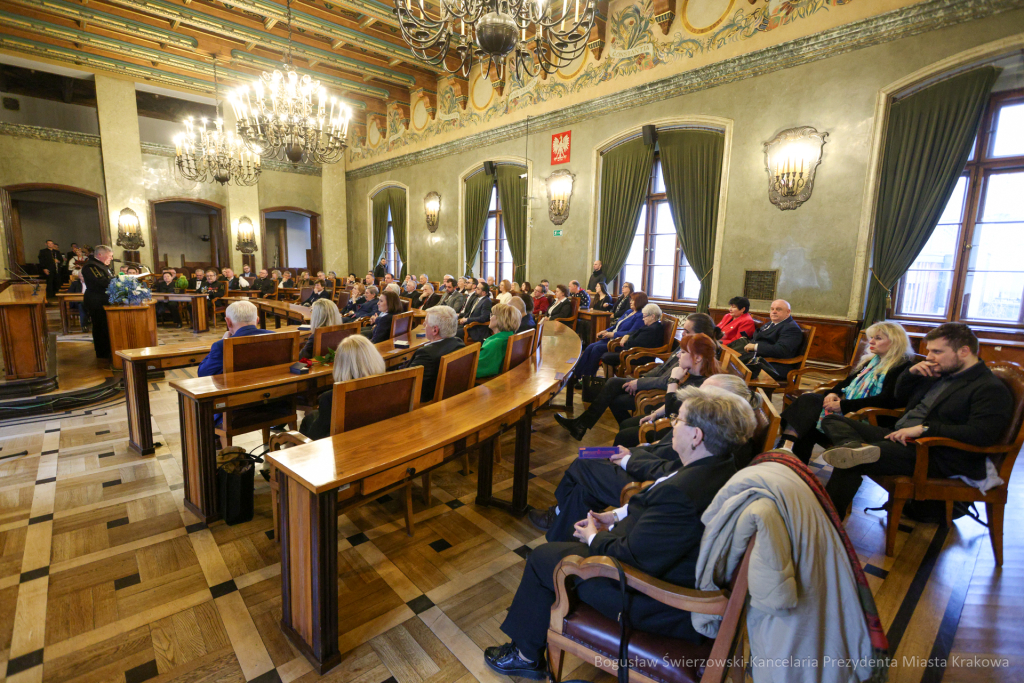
<point>504,323</point>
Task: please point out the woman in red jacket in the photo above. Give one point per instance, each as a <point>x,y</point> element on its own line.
<point>737,321</point>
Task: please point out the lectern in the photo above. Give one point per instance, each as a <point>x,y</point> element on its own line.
<point>23,331</point>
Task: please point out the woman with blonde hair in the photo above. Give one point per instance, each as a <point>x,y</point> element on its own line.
<point>872,384</point>
<point>323,313</point>
<point>504,292</point>
<point>355,358</point>
<point>504,323</point>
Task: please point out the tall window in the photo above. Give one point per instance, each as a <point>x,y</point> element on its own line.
<point>495,257</point>
<point>656,263</point>
<point>972,267</point>
<point>391,251</point>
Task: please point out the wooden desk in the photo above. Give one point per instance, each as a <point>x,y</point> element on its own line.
<point>313,478</point>
<point>598,321</point>
<point>281,309</point>
<point>197,300</point>
<point>23,331</point>
<point>65,309</point>
<point>137,364</point>
<point>201,397</point>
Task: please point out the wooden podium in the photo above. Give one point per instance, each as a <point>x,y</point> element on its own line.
<point>130,327</point>
<point>23,332</point>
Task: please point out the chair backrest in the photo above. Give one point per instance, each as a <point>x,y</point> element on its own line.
<point>769,422</point>
<point>260,351</point>
<point>341,297</point>
<point>732,365</point>
<point>457,372</point>
<point>540,334</point>
<point>360,402</point>
<point>305,293</point>
<point>329,337</point>
<point>401,324</point>
<point>860,348</point>
<point>1012,376</point>
<point>406,303</point>
<point>518,349</point>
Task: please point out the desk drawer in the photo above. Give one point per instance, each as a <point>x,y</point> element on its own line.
<point>254,397</point>
<point>394,475</point>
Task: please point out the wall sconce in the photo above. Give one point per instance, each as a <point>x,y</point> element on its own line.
<point>129,232</point>
<point>246,239</point>
<point>559,193</point>
<point>791,159</point>
<point>432,207</point>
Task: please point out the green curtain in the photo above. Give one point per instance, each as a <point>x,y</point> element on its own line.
<point>928,139</point>
<point>511,195</point>
<point>396,200</point>
<point>478,200</point>
<point>691,161</point>
<point>625,174</point>
<point>381,201</point>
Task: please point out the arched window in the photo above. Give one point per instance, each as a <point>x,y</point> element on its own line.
<point>495,256</point>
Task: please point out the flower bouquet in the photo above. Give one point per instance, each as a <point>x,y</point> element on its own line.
<point>126,290</point>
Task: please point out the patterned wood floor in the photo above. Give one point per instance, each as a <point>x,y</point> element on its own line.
<point>104,576</point>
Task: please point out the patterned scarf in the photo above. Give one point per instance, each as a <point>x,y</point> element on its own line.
<point>879,643</point>
<point>867,383</point>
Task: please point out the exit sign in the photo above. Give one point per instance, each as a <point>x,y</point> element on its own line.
<point>558,233</point>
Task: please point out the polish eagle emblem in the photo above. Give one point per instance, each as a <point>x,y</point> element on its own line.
<point>560,147</point>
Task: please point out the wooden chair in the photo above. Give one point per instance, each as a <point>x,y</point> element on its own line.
<point>455,375</point>
<point>251,353</point>
<point>518,348</point>
<point>920,486</point>
<point>304,294</point>
<point>358,403</point>
<point>329,337</point>
<point>628,356</point>
<point>579,629</point>
<point>731,364</point>
<point>792,381</point>
<point>401,324</point>
<point>540,333</point>
<point>467,328</point>
<point>341,298</point>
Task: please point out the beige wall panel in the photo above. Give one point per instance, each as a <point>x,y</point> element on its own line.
<point>334,221</point>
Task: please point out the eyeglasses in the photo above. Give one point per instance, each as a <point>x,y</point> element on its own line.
<point>676,420</point>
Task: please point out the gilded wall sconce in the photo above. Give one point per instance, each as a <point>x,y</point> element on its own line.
<point>432,208</point>
<point>791,159</point>
<point>129,230</point>
<point>245,241</point>
<point>559,194</point>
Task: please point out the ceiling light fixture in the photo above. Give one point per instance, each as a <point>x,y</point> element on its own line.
<point>290,117</point>
<point>493,30</point>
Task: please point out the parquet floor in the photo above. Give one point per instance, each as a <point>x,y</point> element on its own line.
<point>104,576</point>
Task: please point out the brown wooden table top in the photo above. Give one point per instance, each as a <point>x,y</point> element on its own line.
<point>330,463</point>
<point>186,348</point>
<point>213,386</point>
<point>593,313</point>
<point>21,294</point>
<point>178,296</point>
<point>73,296</point>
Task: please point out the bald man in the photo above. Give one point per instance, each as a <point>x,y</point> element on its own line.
<point>781,337</point>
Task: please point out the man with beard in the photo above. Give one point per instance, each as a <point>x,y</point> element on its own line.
<point>951,394</point>
<point>596,276</point>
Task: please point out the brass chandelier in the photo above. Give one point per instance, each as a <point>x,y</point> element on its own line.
<point>206,154</point>
<point>493,30</point>
<point>290,117</point>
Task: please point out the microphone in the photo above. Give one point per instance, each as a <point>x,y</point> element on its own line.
<point>35,285</point>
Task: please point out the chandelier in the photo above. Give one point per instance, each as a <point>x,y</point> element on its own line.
<point>290,117</point>
<point>492,30</point>
<point>208,153</point>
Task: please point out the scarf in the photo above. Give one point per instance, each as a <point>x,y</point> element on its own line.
<point>867,383</point>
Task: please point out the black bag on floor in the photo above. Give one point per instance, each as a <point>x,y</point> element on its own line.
<point>592,387</point>
<point>235,484</point>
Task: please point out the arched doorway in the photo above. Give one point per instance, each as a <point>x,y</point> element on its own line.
<point>36,212</point>
<point>291,239</point>
<point>188,234</point>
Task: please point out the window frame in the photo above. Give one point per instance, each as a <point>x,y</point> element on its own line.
<point>500,241</point>
<point>654,202</point>
<point>978,170</point>
<point>391,255</point>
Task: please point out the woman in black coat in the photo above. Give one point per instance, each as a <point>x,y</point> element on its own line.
<point>872,384</point>
<point>621,306</point>
<point>388,305</point>
<point>651,335</point>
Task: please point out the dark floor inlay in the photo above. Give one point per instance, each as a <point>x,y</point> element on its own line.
<point>906,528</point>
<point>270,534</point>
<point>456,503</point>
<point>126,581</point>
<point>48,480</point>
<point>51,431</point>
<point>15,455</point>
<point>198,526</point>
<point>113,482</point>
<point>356,539</point>
<point>530,475</point>
<point>269,677</point>
<point>24,662</point>
<point>117,522</point>
<point>40,518</point>
<point>34,574</point>
<point>875,571</point>
<point>105,431</point>
<point>223,588</point>
<point>105,455</point>
<point>523,551</point>
<point>420,604</point>
<point>177,487</point>
<point>44,452</point>
<point>440,544</point>
<point>142,672</point>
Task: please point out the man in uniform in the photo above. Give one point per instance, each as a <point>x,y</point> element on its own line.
<point>50,262</point>
<point>264,284</point>
<point>97,276</point>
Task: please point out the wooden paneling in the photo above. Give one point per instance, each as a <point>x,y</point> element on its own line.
<point>834,340</point>
<point>23,332</point>
<point>990,349</point>
<point>130,327</point>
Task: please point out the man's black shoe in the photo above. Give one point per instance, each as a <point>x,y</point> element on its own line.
<point>575,429</point>
<point>505,660</point>
<point>542,519</point>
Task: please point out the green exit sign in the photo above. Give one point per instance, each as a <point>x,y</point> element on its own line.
<point>558,233</point>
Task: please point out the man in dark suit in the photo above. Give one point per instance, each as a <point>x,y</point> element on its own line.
<point>477,311</point>
<point>198,280</point>
<point>264,284</point>
<point>50,263</point>
<point>780,338</point>
<point>469,296</point>
<point>213,287</point>
<point>368,307</point>
<point>166,286</point>
<point>440,326</point>
<point>240,318</point>
<point>381,269</point>
<point>318,293</point>
<point>951,394</point>
<point>427,298</point>
<point>97,276</point>
<point>710,425</point>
